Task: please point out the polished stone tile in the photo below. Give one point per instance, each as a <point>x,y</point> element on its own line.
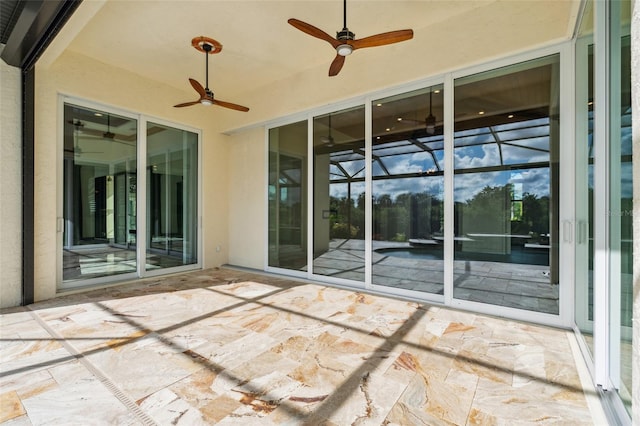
<point>223,347</point>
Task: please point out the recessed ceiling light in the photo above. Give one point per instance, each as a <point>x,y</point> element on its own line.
<point>97,114</point>
<point>590,103</point>
<point>378,105</point>
<point>510,116</point>
<point>388,129</point>
<point>399,118</point>
<point>436,91</point>
<point>480,112</point>
<point>378,137</point>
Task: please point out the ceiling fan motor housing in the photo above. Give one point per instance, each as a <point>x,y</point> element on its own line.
<point>345,34</point>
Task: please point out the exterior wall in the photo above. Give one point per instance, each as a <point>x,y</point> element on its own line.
<point>76,75</point>
<point>311,88</point>
<point>247,202</point>
<point>635,96</point>
<point>11,186</point>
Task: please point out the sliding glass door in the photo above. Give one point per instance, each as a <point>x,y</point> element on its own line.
<point>339,194</point>
<point>383,174</point>
<point>102,237</point>
<point>506,188</point>
<point>172,197</point>
<point>99,201</point>
<point>604,187</point>
<point>288,197</point>
<point>407,168</point>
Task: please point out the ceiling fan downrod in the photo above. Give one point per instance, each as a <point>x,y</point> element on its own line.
<point>209,99</point>
<point>345,34</point>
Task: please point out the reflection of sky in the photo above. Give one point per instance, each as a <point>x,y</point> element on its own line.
<point>340,190</point>
<point>533,181</point>
<point>431,185</point>
<point>524,143</point>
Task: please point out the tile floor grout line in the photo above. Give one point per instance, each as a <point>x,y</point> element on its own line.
<point>112,387</point>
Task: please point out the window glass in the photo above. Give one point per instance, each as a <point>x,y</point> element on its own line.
<point>99,194</point>
<point>506,139</point>
<point>288,196</point>
<point>408,191</point>
<point>172,197</point>
<point>338,194</point>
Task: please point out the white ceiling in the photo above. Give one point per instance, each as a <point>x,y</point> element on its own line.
<point>261,50</point>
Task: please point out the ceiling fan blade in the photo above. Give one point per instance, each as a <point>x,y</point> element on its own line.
<point>313,31</point>
<point>186,104</point>
<point>201,91</point>
<point>336,65</point>
<point>383,39</point>
<point>230,105</point>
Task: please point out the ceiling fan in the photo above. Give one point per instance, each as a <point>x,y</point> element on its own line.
<point>345,42</point>
<point>430,121</point>
<point>208,46</point>
<point>76,150</point>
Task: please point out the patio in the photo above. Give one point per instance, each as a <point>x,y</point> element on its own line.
<point>233,347</point>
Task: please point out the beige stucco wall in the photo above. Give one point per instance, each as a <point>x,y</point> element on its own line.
<point>247,202</point>
<point>10,186</point>
<point>78,76</point>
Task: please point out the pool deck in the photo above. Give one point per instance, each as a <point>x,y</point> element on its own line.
<point>521,286</point>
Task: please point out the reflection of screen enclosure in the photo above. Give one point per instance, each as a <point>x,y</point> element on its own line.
<point>506,154</point>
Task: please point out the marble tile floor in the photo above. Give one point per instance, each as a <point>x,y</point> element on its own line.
<point>223,346</point>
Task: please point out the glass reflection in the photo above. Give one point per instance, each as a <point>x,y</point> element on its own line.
<point>506,186</point>
<point>99,194</point>
<point>339,194</point>
<point>172,197</point>
<point>288,196</point>
<point>408,191</point>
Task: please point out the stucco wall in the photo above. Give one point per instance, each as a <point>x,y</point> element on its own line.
<point>247,202</point>
<point>10,186</point>
<point>79,76</point>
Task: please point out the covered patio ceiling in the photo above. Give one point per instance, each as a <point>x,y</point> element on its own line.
<point>261,50</point>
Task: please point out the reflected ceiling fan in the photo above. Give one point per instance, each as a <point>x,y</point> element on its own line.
<point>76,150</point>
<point>429,121</point>
<point>345,42</point>
<point>208,46</point>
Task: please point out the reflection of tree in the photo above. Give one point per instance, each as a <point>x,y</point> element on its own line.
<point>409,215</point>
<point>347,217</point>
<point>421,215</point>
<point>487,210</point>
<point>490,209</point>
<point>535,214</point>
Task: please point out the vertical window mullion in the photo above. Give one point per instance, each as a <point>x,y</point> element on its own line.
<point>141,196</point>
<point>448,189</point>
<point>601,195</point>
<point>368,212</point>
<point>310,190</point>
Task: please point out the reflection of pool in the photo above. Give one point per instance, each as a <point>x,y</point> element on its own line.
<point>518,255</point>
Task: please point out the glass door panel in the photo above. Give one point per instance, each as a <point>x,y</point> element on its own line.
<point>339,194</point>
<point>288,196</point>
<point>621,202</point>
<point>584,272</point>
<point>172,197</point>
<point>99,155</point>
<point>408,191</point>
<point>506,168</point>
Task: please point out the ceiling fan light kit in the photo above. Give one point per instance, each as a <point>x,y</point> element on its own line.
<point>344,49</point>
<point>345,42</point>
<point>208,46</point>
